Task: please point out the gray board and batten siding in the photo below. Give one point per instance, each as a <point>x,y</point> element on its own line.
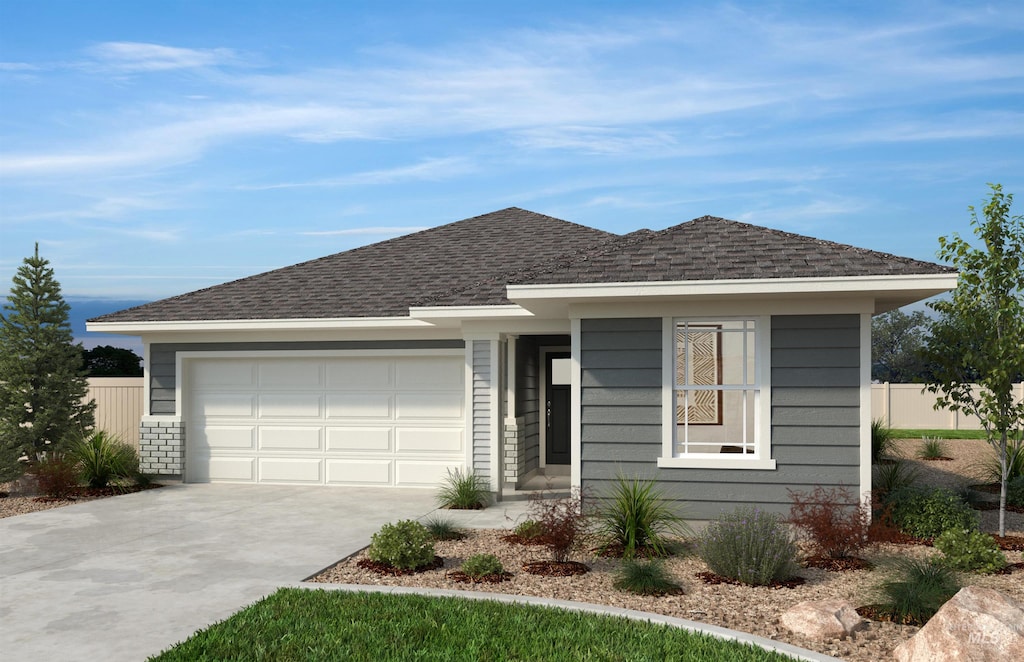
<point>815,403</point>
<point>163,378</point>
<point>482,405</point>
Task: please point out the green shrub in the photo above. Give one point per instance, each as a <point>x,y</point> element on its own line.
<point>406,545</point>
<point>894,475</point>
<point>990,471</point>
<point>528,529</point>
<point>442,528</point>
<point>927,513</point>
<point>970,551</point>
<point>932,448</point>
<point>881,440</point>
<point>481,565</point>
<point>915,590</point>
<point>56,476</point>
<point>644,578</point>
<point>102,457</point>
<point>1015,492</point>
<point>636,518</point>
<point>750,546</point>
<point>463,491</point>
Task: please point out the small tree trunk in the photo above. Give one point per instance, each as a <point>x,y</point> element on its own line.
<point>1004,469</point>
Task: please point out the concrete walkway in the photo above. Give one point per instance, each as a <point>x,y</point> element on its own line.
<point>124,578</point>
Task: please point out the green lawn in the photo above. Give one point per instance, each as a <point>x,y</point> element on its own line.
<point>941,434</point>
<point>299,624</point>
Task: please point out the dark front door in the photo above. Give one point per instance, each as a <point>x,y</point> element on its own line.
<point>558,399</point>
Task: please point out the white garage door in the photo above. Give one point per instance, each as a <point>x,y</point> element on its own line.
<point>342,420</point>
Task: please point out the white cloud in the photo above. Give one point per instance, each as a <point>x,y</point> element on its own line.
<point>426,170</point>
<point>137,57</point>
<point>382,230</point>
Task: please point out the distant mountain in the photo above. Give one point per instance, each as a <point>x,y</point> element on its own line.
<point>84,309</point>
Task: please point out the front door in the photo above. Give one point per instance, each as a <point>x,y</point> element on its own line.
<point>558,402</point>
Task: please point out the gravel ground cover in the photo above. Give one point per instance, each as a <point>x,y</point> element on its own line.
<point>754,610</point>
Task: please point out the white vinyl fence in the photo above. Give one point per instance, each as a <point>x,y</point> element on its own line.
<point>119,406</point>
<point>909,406</point>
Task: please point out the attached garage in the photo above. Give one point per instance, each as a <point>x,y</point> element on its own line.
<point>348,418</point>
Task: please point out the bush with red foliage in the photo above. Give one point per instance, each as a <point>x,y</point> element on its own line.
<point>563,523</point>
<point>833,521</point>
<point>56,476</point>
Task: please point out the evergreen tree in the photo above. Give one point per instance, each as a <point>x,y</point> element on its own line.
<point>42,384</point>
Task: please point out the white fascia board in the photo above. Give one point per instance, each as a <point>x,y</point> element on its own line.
<point>137,328</point>
<point>468,312</point>
<point>934,283</point>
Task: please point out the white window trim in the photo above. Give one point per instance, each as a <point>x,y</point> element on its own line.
<point>761,458</point>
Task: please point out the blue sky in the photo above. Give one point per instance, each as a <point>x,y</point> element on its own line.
<point>157,148</point>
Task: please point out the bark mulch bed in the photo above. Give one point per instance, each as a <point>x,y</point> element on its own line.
<point>1010,543</point>
<point>709,577</point>
<point>941,458</point>
<point>96,492</point>
<point>388,570</point>
<point>1010,568</point>
<point>882,614</point>
<point>463,578</point>
<point>837,565</point>
<point>556,568</point>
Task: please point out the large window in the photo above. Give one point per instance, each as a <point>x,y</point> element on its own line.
<point>717,415</point>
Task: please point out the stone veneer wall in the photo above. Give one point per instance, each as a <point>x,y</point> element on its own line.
<point>515,460</point>
<point>162,446</point>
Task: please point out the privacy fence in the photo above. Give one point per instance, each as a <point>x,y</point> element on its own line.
<point>909,406</point>
<point>119,406</point>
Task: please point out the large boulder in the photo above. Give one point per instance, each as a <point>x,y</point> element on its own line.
<point>976,625</point>
<point>822,619</point>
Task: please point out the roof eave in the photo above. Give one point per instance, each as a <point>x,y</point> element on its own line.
<point>300,324</point>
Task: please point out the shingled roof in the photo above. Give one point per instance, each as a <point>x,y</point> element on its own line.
<point>382,279</point>
<point>471,262</point>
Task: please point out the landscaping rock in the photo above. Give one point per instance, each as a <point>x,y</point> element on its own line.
<point>976,625</point>
<point>821,620</point>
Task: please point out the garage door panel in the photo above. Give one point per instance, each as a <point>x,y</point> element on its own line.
<point>359,405</point>
<point>228,372</point>
<point>360,374</point>
<point>341,420</point>
<point>290,373</point>
<point>358,472</point>
<point>289,405</point>
<point>233,405</point>
<point>290,438</point>
<point>359,439</point>
<point>232,437</point>
<point>439,440</point>
<point>230,469</point>
<point>426,474</point>
<point>290,470</point>
<point>429,373</point>
<point>428,405</point>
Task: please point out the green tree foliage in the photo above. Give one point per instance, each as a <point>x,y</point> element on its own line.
<point>980,334</point>
<point>896,342</point>
<point>108,361</point>
<point>42,384</point>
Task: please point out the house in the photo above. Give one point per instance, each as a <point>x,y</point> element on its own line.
<point>727,360</point>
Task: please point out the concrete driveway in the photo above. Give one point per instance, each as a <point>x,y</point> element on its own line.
<point>124,578</point>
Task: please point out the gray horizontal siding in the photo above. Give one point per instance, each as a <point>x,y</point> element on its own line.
<point>162,359</point>
<point>815,400</point>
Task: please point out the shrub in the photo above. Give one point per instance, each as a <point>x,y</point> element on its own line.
<point>463,491</point>
<point>1015,492</point>
<point>406,545</point>
<point>990,471</point>
<point>970,551</point>
<point>56,476</point>
<point>636,518</point>
<point>927,513</point>
<point>750,546</point>
<point>835,523</point>
<point>916,590</point>
<point>563,522</point>
<point>644,578</point>
<point>481,565</point>
<point>101,457</point>
<point>881,440</point>
<point>895,475</point>
<point>528,529</point>
<point>932,448</point>
<point>442,528</point>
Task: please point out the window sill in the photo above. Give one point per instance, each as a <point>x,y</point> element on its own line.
<point>735,462</point>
